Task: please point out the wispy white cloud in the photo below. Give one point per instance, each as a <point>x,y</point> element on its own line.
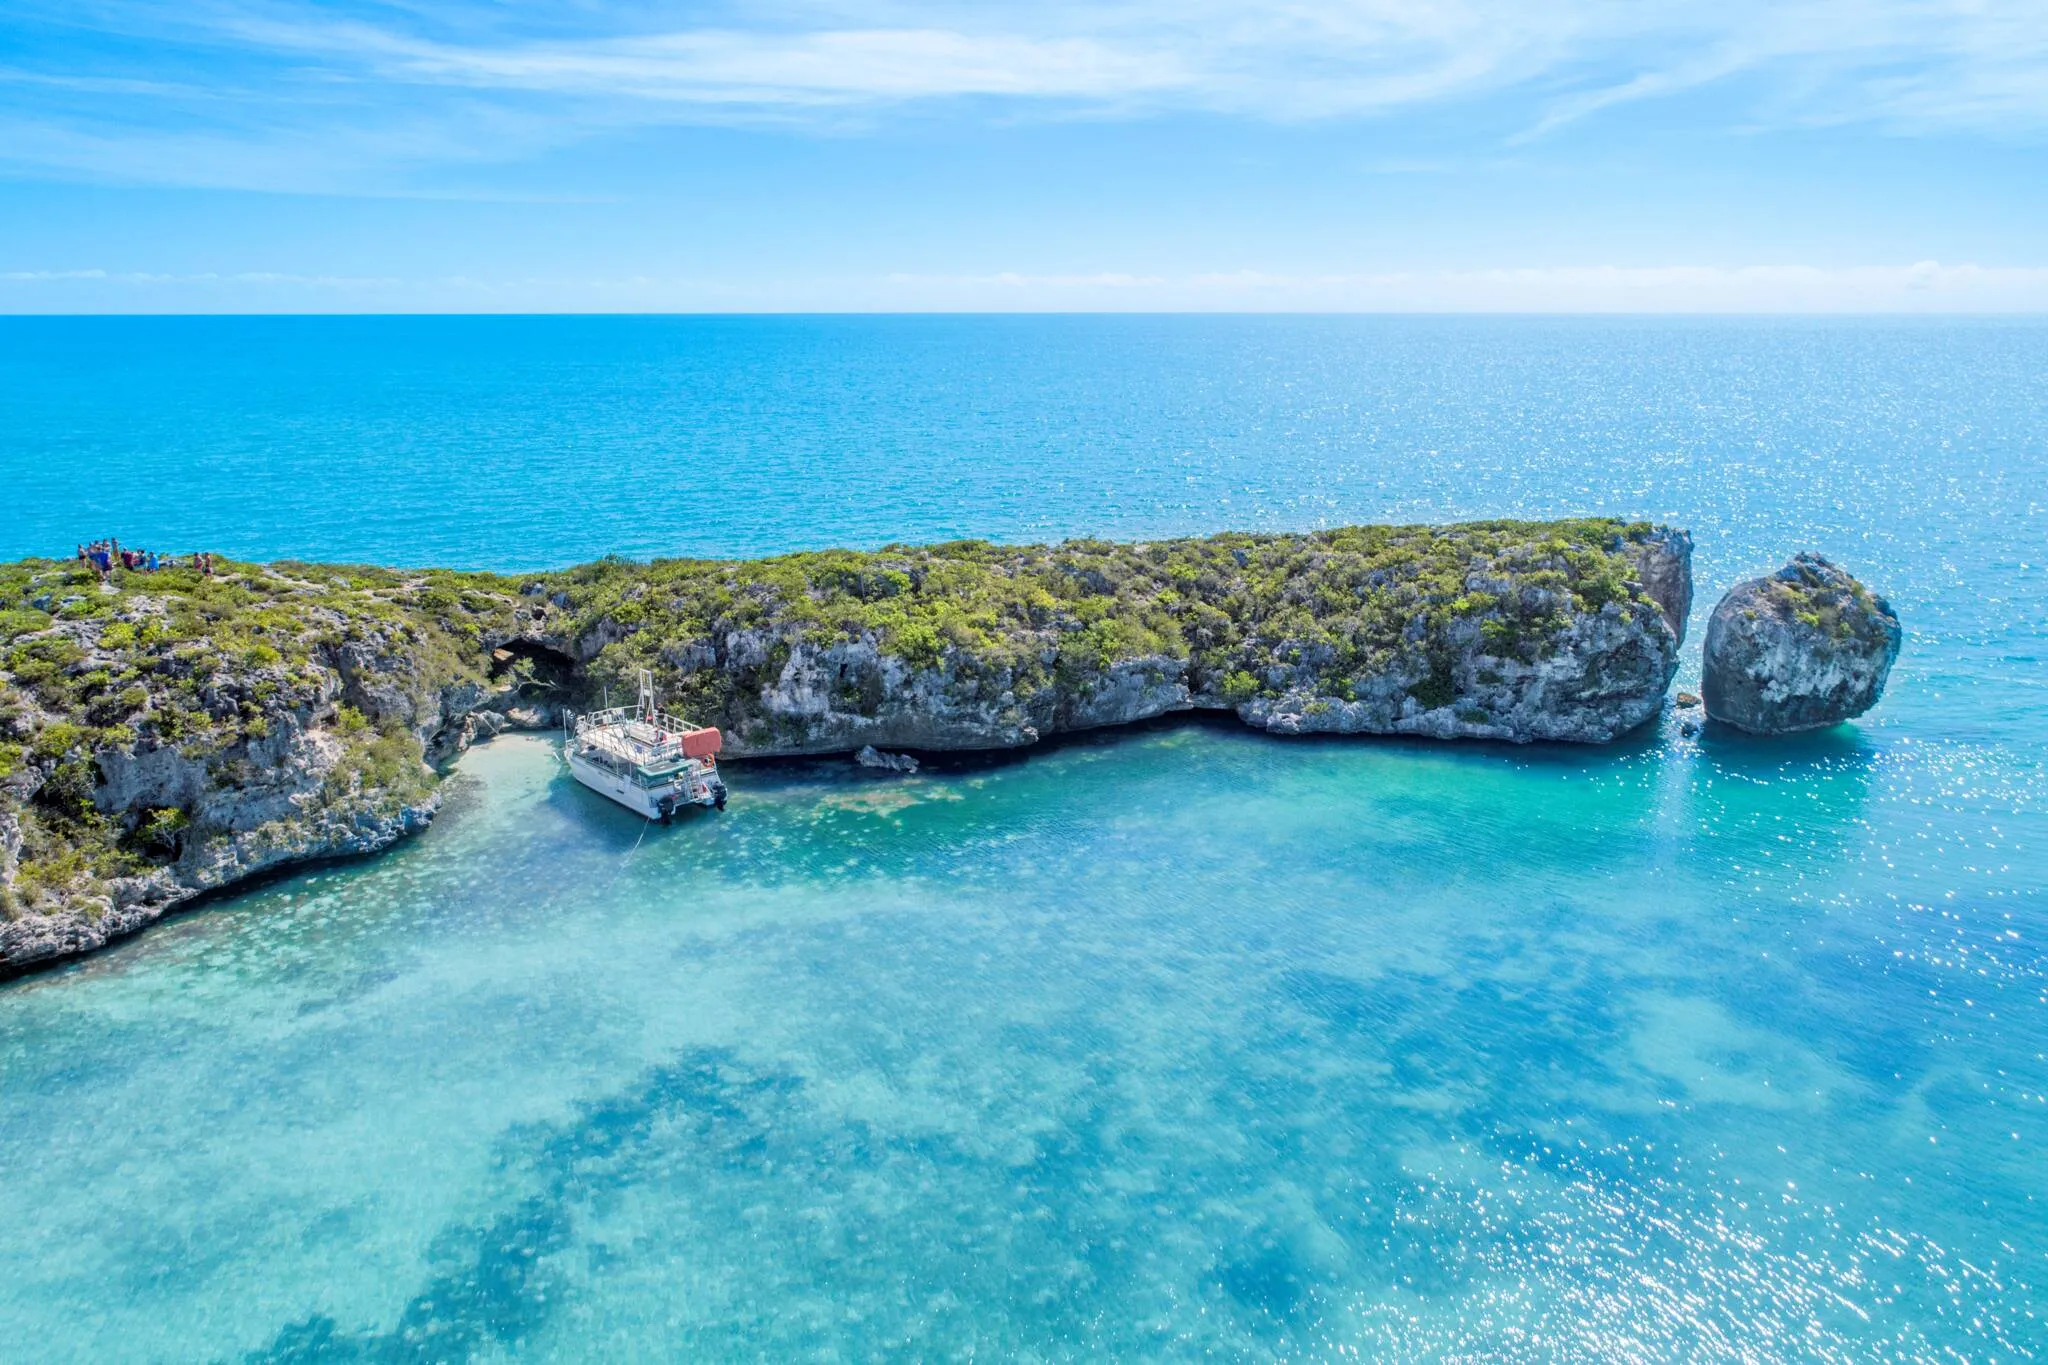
<point>367,96</point>
<point>728,67</point>
<point>1911,65</point>
<point>1268,60</point>
<point>1910,62</point>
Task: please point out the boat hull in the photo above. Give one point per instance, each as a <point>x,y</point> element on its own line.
<point>653,803</point>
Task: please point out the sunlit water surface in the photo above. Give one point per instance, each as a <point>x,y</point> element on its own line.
<point>1178,1042</point>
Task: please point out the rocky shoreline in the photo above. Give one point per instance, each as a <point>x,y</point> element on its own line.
<point>166,735</point>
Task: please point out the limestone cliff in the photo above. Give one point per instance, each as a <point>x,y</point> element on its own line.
<point>1500,630</point>
<point>163,735</point>
<point>169,734</point>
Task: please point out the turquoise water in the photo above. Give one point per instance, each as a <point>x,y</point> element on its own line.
<point>1179,1042</point>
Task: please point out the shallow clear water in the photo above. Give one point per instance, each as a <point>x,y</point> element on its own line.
<point>1177,1042</point>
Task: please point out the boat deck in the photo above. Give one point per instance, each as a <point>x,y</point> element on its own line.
<point>655,741</point>
<point>645,759</point>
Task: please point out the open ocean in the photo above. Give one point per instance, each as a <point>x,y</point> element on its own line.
<point>1177,1042</point>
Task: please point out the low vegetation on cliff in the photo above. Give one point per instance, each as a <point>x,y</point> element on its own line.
<point>132,709</point>
<point>1357,597</point>
<point>167,732</point>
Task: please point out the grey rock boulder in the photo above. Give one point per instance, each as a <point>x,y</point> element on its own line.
<point>1801,649</point>
<point>871,757</point>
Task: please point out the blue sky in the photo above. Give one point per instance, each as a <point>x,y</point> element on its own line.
<point>257,155</point>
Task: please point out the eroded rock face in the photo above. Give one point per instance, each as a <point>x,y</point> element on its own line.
<point>10,849</point>
<point>335,829</point>
<point>1801,649</point>
<point>159,741</point>
<point>1665,560</point>
<point>1514,648</point>
<point>291,785</point>
<point>1606,676</point>
<point>854,694</point>
<point>1599,676</point>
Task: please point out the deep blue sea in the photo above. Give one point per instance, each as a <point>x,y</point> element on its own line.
<point>1182,1042</point>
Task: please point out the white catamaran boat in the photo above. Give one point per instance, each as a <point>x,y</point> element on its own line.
<point>644,759</point>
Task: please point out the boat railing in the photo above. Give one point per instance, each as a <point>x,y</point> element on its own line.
<point>640,736</point>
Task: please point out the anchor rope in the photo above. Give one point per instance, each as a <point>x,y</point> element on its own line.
<point>627,860</point>
<point>644,823</point>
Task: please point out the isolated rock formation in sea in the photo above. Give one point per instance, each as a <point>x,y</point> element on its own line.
<point>166,734</point>
<point>1800,649</point>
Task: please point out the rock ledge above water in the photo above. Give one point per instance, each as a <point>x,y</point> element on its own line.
<point>871,757</point>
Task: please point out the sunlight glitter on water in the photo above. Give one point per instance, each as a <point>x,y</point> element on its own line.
<point>1177,1042</point>
<point>1440,1053</point>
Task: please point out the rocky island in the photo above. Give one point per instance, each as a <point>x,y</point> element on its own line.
<point>1800,649</point>
<point>167,734</point>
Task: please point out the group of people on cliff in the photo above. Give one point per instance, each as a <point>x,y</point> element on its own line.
<point>105,556</point>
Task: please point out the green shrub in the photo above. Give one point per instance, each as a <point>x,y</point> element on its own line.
<point>67,792</point>
<point>58,739</point>
<point>918,644</point>
<point>52,874</point>
<point>1438,689</point>
<point>21,620</point>
<point>163,830</point>
<point>86,608</point>
<point>41,661</point>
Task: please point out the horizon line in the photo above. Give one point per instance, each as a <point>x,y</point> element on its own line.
<point>1715,313</point>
